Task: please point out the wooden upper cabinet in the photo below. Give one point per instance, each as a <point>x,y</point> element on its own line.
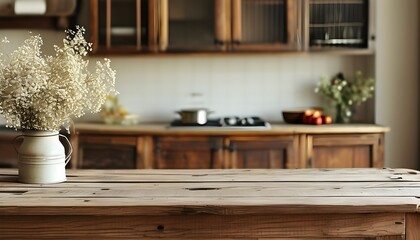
<point>191,25</point>
<point>229,25</point>
<point>261,152</point>
<point>345,24</point>
<point>345,151</point>
<point>133,26</point>
<point>259,25</point>
<point>124,26</point>
<point>196,152</point>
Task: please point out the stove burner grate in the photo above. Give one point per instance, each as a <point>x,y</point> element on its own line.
<point>234,122</point>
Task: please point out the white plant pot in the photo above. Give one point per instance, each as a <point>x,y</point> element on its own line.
<point>42,158</point>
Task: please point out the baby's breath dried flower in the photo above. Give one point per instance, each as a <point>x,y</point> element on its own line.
<point>45,92</point>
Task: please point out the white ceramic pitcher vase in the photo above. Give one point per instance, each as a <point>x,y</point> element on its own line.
<point>41,157</point>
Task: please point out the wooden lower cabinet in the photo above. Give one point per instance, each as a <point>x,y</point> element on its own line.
<point>261,152</point>
<point>188,152</point>
<point>216,152</point>
<point>345,150</point>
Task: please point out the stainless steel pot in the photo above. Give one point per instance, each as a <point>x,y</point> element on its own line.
<point>194,115</point>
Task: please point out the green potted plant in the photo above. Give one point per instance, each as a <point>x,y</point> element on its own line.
<point>344,94</point>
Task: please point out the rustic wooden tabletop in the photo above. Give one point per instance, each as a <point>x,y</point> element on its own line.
<point>209,204</point>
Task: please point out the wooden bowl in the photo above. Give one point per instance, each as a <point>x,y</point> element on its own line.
<point>293,116</point>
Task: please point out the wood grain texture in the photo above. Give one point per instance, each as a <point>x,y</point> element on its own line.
<point>162,129</point>
<point>256,152</point>
<point>412,226</point>
<point>204,226</point>
<point>344,150</point>
<point>222,21</point>
<point>236,21</point>
<point>214,204</point>
<point>163,25</point>
<point>233,175</point>
<point>188,152</point>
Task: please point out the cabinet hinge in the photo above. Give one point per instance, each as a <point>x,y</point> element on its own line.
<point>157,147</point>
<point>218,42</point>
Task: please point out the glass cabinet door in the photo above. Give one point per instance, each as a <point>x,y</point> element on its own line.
<point>265,25</point>
<point>193,25</point>
<point>338,24</point>
<point>122,25</point>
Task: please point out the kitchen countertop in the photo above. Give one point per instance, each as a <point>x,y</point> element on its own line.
<point>276,128</point>
<point>214,204</point>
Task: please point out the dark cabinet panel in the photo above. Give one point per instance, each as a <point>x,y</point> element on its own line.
<point>104,156</point>
<point>107,152</point>
<point>190,25</point>
<point>262,152</point>
<point>188,152</point>
<point>8,154</point>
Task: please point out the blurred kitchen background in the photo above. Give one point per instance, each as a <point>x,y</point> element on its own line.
<point>155,86</point>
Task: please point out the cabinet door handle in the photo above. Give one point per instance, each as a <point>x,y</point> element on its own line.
<point>231,147</point>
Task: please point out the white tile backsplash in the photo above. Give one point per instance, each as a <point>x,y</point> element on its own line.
<point>156,87</point>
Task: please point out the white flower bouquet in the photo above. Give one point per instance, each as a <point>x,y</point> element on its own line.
<point>45,92</point>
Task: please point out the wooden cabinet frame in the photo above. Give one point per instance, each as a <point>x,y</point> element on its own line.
<point>298,148</point>
<point>195,149</point>
<point>374,141</point>
<point>222,28</point>
<point>227,28</point>
<point>142,145</point>
<point>371,30</point>
<point>293,26</point>
<point>109,47</point>
<point>288,144</point>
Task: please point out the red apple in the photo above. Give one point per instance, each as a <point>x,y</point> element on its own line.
<point>317,114</point>
<point>326,119</point>
<point>317,120</point>
<point>308,112</point>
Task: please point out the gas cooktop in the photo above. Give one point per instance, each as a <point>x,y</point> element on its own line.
<point>226,122</point>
